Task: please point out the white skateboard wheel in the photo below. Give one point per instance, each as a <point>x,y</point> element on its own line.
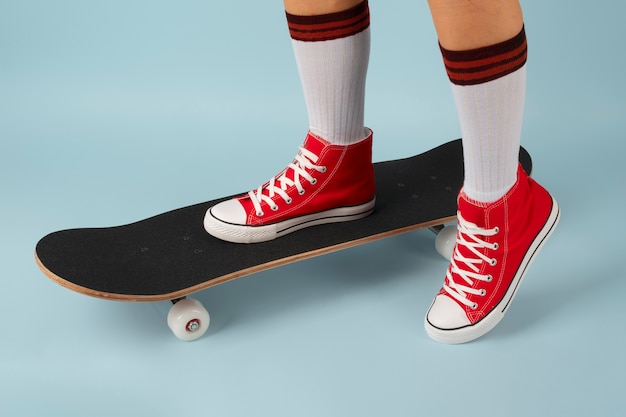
<point>188,319</point>
<point>445,241</point>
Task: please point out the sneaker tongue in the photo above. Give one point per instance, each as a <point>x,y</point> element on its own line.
<point>472,211</point>
<point>314,143</point>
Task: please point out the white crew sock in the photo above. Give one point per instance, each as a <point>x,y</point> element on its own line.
<point>491,123</point>
<point>489,89</point>
<point>332,54</point>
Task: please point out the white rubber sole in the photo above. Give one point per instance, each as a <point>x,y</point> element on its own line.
<point>254,234</point>
<point>480,328</point>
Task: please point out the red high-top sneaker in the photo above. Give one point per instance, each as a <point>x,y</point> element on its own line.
<point>496,243</point>
<point>325,183</point>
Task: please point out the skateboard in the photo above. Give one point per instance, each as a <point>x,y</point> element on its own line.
<point>170,256</point>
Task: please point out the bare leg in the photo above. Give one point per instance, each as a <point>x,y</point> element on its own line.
<point>471,24</point>
<point>318,7</point>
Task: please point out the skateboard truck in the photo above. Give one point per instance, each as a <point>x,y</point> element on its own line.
<point>445,240</point>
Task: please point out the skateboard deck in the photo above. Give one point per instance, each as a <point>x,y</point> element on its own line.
<point>169,256</point>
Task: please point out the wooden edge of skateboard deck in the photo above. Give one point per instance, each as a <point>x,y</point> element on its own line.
<point>238,274</point>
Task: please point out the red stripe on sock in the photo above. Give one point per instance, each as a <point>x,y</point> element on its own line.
<point>329,26</point>
<point>481,65</point>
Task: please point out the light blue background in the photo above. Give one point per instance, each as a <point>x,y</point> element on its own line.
<point>114,111</point>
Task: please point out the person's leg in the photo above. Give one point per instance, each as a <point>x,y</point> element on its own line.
<point>318,7</point>
<point>331,179</point>
<point>465,25</point>
<point>504,216</point>
<point>484,49</point>
<point>331,43</point>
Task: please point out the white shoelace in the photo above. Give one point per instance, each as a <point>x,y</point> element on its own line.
<point>468,237</point>
<point>278,185</point>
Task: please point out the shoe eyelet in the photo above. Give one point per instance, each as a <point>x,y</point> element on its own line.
<point>474,306</point>
<point>274,208</point>
<point>314,181</point>
<point>301,192</point>
<point>489,278</point>
<point>289,201</point>
<point>323,170</point>
<point>496,230</point>
<point>496,246</point>
<point>493,262</point>
<point>260,214</point>
<point>483,292</point>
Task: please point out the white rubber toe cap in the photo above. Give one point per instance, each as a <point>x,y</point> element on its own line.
<point>229,211</point>
<point>227,221</point>
<point>446,314</point>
